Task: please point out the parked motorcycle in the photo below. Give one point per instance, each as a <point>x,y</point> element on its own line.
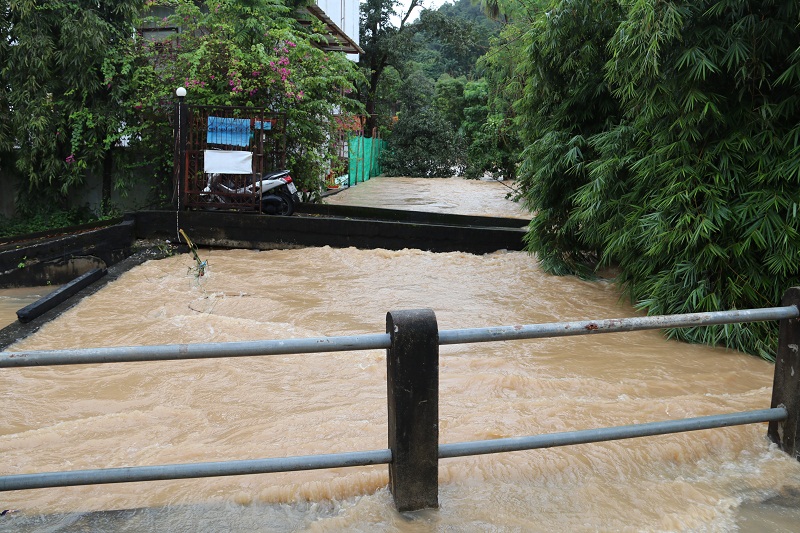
<point>277,191</point>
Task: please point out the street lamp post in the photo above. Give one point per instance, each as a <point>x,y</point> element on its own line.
<point>182,123</point>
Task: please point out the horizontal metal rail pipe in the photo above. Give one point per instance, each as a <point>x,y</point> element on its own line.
<point>196,470</point>
<point>171,352</point>
<point>127,354</point>
<point>375,457</point>
<point>462,449</point>
<point>614,325</point>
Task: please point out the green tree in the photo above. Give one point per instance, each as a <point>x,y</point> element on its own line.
<point>58,112</point>
<point>709,159</point>
<point>443,47</point>
<point>492,136</point>
<point>452,38</point>
<point>449,99</point>
<point>248,54</point>
<point>492,140</point>
<point>385,45</point>
<point>425,141</point>
<point>423,144</point>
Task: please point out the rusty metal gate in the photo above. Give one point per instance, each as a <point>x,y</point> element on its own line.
<point>222,150</point>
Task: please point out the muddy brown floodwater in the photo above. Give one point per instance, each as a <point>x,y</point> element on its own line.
<point>78,417</point>
<point>12,300</point>
<point>441,195</point>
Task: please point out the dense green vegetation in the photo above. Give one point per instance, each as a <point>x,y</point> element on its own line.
<point>431,99</point>
<point>662,138</point>
<point>82,93</point>
<point>43,221</point>
<point>242,54</point>
<point>55,102</point>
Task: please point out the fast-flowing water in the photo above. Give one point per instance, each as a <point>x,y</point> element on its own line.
<point>78,417</point>
<point>12,300</point>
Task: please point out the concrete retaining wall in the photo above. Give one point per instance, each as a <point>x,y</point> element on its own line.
<point>236,230</point>
<point>402,215</point>
<point>41,260</point>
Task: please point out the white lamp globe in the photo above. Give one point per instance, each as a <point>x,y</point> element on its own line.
<point>180,92</point>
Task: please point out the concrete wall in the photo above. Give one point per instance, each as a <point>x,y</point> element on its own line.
<point>8,192</point>
<point>89,194</point>
<point>45,259</point>
<point>403,215</point>
<point>238,230</point>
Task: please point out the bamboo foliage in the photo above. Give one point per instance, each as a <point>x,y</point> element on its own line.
<point>682,169</point>
<point>565,102</point>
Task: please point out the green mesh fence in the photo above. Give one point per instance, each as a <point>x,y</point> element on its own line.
<point>364,158</point>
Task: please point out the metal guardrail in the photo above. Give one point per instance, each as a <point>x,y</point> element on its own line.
<point>412,342</point>
<point>170,352</point>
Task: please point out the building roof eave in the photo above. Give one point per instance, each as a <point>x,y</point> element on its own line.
<point>336,39</point>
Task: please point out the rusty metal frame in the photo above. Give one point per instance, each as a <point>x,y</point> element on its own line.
<point>260,131</point>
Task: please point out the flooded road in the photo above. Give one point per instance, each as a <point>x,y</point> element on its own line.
<point>455,196</point>
<point>79,417</point>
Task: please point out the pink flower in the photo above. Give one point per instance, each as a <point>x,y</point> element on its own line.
<point>291,44</point>
<point>70,159</point>
<point>255,73</point>
<point>213,77</point>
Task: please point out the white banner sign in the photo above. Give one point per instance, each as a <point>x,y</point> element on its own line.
<point>227,162</point>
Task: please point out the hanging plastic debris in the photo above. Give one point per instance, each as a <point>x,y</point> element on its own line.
<point>200,268</point>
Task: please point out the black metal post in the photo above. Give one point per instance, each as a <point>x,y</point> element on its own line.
<point>786,385</point>
<point>413,395</point>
